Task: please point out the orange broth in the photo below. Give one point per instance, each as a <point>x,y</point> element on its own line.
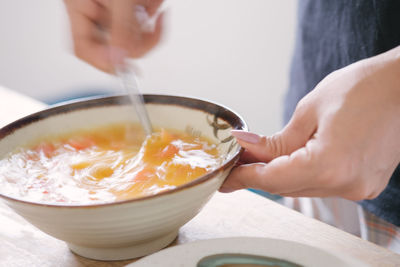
<point>105,164</point>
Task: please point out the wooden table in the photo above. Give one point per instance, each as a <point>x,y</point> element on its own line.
<point>241,213</point>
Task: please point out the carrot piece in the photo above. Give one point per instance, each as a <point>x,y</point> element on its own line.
<point>81,143</point>
<point>144,175</point>
<point>169,151</point>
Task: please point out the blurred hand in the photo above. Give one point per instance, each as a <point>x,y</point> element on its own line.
<point>102,29</point>
<point>343,139</point>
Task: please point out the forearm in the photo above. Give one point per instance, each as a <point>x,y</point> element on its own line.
<point>383,73</point>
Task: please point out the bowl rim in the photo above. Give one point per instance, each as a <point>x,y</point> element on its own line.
<point>222,112</point>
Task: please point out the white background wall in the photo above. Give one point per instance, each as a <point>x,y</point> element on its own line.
<point>235,52</point>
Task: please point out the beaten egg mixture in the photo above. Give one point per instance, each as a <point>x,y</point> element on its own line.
<point>105,164</point>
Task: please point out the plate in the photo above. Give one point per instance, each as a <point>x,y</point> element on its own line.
<point>246,251</point>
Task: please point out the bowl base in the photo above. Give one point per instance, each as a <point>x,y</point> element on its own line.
<point>124,253</point>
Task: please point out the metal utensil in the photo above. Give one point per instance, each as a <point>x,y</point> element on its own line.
<point>126,73</point>
<point>129,82</point>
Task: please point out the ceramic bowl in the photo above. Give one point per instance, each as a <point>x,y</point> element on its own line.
<point>136,227</point>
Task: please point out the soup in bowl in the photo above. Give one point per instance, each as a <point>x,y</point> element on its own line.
<point>84,172</point>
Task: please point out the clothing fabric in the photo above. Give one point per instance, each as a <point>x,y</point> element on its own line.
<point>350,217</point>
<point>332,35</point>
<point>378,231</point>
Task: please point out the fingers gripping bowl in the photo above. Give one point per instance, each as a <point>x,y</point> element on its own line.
<point>134,227</point>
